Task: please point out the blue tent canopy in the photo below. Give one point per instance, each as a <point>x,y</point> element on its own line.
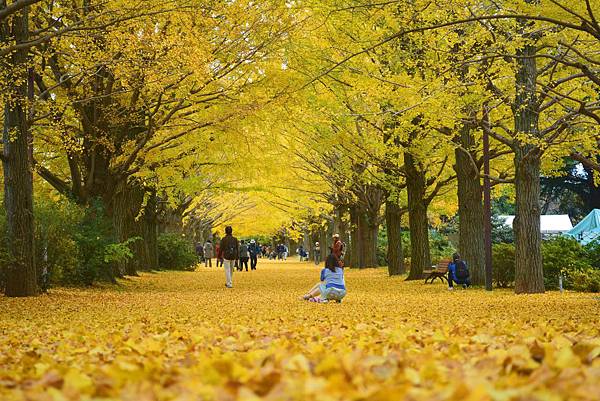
<point>588,229</point>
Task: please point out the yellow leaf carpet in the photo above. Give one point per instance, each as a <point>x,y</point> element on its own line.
<point>184,336</point>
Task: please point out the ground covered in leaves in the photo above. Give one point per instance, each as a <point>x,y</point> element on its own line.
<point>184,336</point>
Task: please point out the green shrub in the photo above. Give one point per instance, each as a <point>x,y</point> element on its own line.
<point>562,255</point>
<point>119,252</point>
<point>440,247</point>
<point>175,252</point>
<point>503,264</point>
<point>57,251</point>
<point>73,244</point>
<point>501,233</point>
<point>93,235</point>
<point>585,281</point>
<point>593,251</point>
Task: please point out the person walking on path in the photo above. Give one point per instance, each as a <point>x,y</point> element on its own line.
<point>208,253</point>
<point>230,252</point>
<point>244,256</point>
<point>338,250</point>
<point>317,253</point>
<point>200,252</point>
<point>218,255</point>
<point>254,250</point>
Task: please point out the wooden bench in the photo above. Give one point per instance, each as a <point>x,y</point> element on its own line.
<point>440,271</point>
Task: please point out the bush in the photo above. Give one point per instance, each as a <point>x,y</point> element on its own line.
<point>73,244</point>
<point>586,281</point>
<point>503,264</point>
<point>175,252</point>
<point>440,247</point>
<point>593,251</point>
<point>57,251</point>
<point>501,233</point>
<point>563,255</point>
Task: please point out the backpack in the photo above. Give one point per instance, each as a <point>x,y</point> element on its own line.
<point>461,271</point>
<point>229,251</point>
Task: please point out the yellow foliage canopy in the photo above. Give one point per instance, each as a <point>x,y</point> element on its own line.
<point>183,336</point>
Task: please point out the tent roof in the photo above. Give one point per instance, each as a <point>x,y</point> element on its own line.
<point>588,229</point>
<point>549,223</point>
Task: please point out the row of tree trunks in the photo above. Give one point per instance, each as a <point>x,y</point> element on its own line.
<point>364,231</point>
<point>395,254</point>
<point>420,256</point>
<point>470,206</point>
<point>21,275</point>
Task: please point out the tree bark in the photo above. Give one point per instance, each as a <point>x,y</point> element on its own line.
<point>420,256</point>
<point>324,242</point>
<point>529,273</point>
<point>125,208</point>
<point>368,232</point>
<point>395,254</point>
<point>149,221</point>
<point>21,275</point>
<point>355,256</point>
<point>470,207</point>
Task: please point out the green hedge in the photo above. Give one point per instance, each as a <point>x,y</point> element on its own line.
<point>175,252</point>
<point>578,265</point>
<point>74,244</point>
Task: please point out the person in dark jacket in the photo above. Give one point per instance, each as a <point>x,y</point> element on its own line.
<point>244,256</point>
<point>458,272</point>
<point>230,252</point>
<point>254,250</point>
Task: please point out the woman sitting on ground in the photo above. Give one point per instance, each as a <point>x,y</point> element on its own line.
<point>332,286</point>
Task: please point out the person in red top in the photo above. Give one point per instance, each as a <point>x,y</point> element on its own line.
<point>338,249</point>
<point>219,254</point>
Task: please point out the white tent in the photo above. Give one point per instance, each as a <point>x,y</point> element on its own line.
<point>549,223</point>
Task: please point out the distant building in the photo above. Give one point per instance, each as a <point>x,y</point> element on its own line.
<point>550,224</point>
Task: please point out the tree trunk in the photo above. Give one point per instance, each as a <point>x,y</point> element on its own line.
<point>21,275</point>
<point>395,255</point>
<point>368,231</point>
<point>529,273</point>
<point>324,242</point>
<point>470,207</point>
<point>354,257</point>
<point>126,206</point>
<point>420,257</point>
<point>149,260</point>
